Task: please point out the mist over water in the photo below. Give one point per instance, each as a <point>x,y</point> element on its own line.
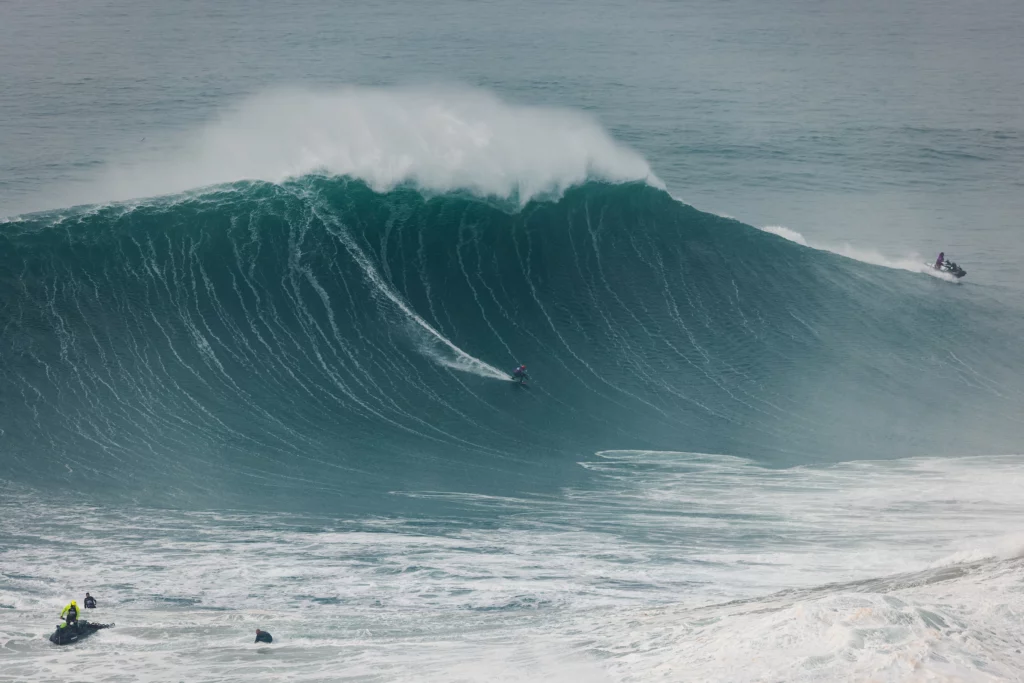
<point>438,138</point>
<point>266,269</point>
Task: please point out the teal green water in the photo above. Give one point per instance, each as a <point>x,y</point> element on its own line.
<point>295,343</point>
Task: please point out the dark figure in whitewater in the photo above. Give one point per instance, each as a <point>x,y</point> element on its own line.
<point>519,374</point>
<point>70,614</point>
<point>263,637</point>
<point>939,261</point>
<point>89,602</point>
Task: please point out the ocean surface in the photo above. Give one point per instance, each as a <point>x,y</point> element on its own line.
<point>265,268</point>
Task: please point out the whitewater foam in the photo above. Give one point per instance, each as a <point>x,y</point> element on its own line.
<point>438,139</point>
<point>678,565</point>
<point>1008,547</point>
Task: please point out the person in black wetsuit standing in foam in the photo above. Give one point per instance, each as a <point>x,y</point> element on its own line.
<point>89,602</point>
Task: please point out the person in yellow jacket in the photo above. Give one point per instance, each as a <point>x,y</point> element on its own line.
<point>69,614</point>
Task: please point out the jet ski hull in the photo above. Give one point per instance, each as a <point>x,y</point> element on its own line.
<point>950,268</point>
<point>75,632</point>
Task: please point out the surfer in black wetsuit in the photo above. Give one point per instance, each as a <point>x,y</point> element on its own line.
<point>519,374</point>
<point>263,637</point>
<point>89,602</point>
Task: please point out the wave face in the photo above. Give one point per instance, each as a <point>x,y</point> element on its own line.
<point>316,340</point>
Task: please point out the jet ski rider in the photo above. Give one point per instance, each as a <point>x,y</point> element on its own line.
<point>939,261</point>
<point>70,614</point>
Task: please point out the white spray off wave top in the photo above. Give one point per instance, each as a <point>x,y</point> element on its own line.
<point>439,139</point>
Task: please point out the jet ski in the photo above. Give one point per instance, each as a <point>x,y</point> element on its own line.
<point>65,635</point>
<point>953,269</point>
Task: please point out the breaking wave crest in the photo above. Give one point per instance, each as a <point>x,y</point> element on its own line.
<point>439,139</point>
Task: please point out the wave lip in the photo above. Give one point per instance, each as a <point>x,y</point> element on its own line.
<point>438,139</point>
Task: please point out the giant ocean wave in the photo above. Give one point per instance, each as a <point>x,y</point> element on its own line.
<point>331,317</point>
<point>317,336</point>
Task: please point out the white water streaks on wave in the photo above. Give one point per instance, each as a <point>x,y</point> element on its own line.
<point>439,139</point>
<point>667,565</point>
<point>913,263</point>
<point>526,267</point>
<point>159,400</point>
<point>431,342</point>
